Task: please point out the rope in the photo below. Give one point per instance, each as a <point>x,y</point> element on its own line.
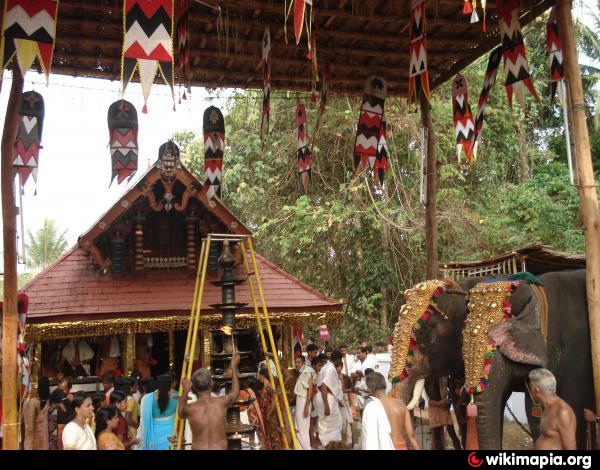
<point>518,422</point>
<point>543,302</point>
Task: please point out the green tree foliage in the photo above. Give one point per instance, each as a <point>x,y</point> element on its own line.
<point>367,245</point>
<point>47,244</point>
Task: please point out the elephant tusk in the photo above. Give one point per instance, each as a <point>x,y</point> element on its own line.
<point>417,392</point>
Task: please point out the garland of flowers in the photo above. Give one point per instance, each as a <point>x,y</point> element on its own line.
<point>489,304</point>
<point>418,299</point>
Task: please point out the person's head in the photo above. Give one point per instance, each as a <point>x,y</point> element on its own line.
<point>43,390</point>
<point>57,397</point>
<point>97,400</point>
<point>343,349</point>
<point>369,349</point>
<point>328,351</point>
<point>339,366</point>
<point>363,344</point>
<point>263,376</point>
<point>336,358</point>
<point>201,381</point>
<point>119,399</point>
<point>174,379</point>
<point>147,385</point>
<point>123,384</point>
<point>107,419</point>
<point>541,383</point>
<point>65,385</point>
<point>164,383</point>
<point>361,353</point>
<point>107,382</point>
<point>368,371</point>
<point>375,383</point>
<point>299,362</point>
<point>312,351</point>
<point>135,382</point>
<point>82,406</point>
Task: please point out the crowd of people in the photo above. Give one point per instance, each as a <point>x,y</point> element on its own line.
<point>338,399</point>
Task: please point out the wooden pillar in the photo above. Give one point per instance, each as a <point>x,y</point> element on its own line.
<point>139,243</point>
<point>430,205</point>
<point>128,355</point>
<point>588,201</point>
<point>171,350</point>
<point>35,361</point>
<point>10,439</point>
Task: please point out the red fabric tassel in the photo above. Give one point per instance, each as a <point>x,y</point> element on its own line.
<point>467,9</point>
<point>145,109</point>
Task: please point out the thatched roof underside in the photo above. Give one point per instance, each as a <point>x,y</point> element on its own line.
<point>359,38</point>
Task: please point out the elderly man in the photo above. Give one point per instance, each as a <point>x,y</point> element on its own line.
<point>207,414</point>
<point>303,391</point>
<point>558,424</point>
<point>386,423</point>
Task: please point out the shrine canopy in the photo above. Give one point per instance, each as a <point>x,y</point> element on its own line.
<point>357,38</point>
<point>134,270</point>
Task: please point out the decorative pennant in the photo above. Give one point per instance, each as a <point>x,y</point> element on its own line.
<point>464,127</point>
<point>183,45</point>
<point>148,43</point>
<point>516,69</point>
<point>28,31</point>
<point>369,123</point>
<point>488,83</point>
<point>214,147</point>
<point>554,50</point>
<point>305,158</point>
<point>123,133</point>
<point>266,65</point>
<point>29,136</point>
<point>418,77</point>
<point>323,94</point>
<point>381,166</point>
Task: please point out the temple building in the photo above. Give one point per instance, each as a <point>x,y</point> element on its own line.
<point>119,300</point>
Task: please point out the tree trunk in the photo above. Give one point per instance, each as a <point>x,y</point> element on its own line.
<point>523,160</point>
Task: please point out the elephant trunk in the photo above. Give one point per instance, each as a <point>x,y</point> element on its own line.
<point>490,405</point>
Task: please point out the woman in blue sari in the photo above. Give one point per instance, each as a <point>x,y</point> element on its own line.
<point>157,416</point>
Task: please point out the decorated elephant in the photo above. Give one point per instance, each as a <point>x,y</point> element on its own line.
<point>444,341</point>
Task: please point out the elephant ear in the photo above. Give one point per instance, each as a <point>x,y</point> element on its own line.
<point>520,338</point>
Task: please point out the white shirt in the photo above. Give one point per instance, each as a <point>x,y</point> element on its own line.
<point>376,429</point>
<point>75,437</point>
<point>348,361</point>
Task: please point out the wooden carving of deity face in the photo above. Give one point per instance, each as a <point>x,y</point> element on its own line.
<point>169,162</point>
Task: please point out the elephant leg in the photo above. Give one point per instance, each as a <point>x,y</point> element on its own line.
<point>490,404</point>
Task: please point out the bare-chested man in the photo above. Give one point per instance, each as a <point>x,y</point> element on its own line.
<point>558,424</point>
<point>207,415</point>
<point>386,421</point>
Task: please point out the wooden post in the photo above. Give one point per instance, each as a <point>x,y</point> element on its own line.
<point>10,439</point>
<point>588,201</point>
<point>430,205</point>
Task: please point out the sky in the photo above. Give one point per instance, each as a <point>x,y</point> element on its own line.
<point>74,163</point>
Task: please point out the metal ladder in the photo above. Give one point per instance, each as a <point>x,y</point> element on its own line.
<point>253,277</point>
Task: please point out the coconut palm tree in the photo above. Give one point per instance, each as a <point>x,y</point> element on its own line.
<point>47,244</point>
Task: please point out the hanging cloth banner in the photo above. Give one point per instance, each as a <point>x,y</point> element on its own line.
<point>369,123</point>
<point>183,44</point>
<point>27,146</point>
<point>305,158</point>
<point>554,50</point>
<point>28,31</point>
<point>123,134</point>
<point>266,65</point>
<point>148,43</point>
<point>381,161</point>
<point>464,126</point>
<point>418,77</point>
<point>213,126</point>
<point>516,69</point>
<point>488,84</point>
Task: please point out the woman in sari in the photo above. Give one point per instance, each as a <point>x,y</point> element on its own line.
<point>266,401</point>
<point>158,416</point>
<point>107,420</point>
<point>253,411</point>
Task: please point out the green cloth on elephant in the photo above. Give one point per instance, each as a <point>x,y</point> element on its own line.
<point>522,276</point>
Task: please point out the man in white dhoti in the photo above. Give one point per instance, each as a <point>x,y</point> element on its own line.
<point>386,423</point>
<point>303,391</point>
<point>328,402</point>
